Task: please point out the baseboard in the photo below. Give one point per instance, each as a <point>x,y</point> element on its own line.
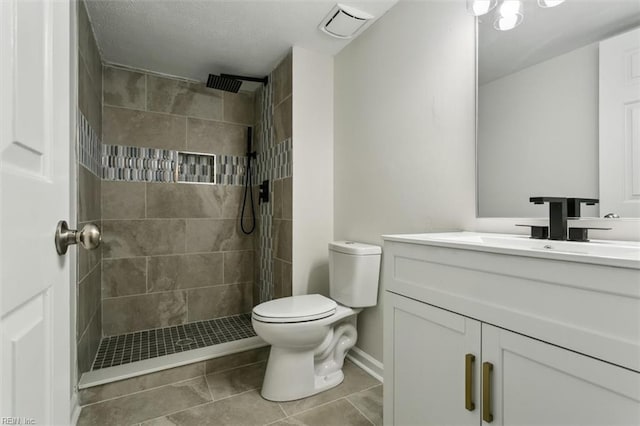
<point>75,409</point>
<point>368,363</point>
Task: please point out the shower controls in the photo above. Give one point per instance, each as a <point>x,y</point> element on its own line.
<point>264,192</point>
<point>89,237</point>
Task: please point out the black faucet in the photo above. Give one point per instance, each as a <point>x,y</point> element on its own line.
<point>557,215</point>
<point>561,208</point>
<point>580,233</point>
<point>573,205</point>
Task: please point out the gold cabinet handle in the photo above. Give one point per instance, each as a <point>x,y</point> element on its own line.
<point>469,359</point>
<point>487,368</point>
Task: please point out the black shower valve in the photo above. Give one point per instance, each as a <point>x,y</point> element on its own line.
<point>264,192</point>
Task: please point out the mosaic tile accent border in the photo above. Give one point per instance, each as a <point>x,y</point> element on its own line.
<point>89,146</point>
<point>134,164</point>
<point>141,345</point>
<point>231,169</point>
<point>265,210</point>
<point>137,164</point>
<point>277,161</point>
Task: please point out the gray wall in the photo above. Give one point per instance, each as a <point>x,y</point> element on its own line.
<point>88,315</point>
<point>173,253</point>
<point>538,135</point>
<point>404,131</point>
<point>313,170</point>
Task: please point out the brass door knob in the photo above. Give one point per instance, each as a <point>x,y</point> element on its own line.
<point>89,237</point>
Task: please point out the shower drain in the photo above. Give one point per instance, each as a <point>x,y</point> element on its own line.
<point>184,342</point>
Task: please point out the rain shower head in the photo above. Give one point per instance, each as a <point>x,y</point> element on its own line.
<point>223,83</point>
<point>230,82</point>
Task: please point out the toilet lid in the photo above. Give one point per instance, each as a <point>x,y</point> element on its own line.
<point>306,307</point>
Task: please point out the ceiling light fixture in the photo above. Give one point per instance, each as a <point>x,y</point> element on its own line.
<point>509,15</point>
<point>480,7</point>
<point>549,3</point>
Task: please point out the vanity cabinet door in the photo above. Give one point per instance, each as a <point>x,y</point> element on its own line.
<point>535,383</point>
<point>425,365</point>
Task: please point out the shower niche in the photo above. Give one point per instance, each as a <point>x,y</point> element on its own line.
<point>196,168</point>
<point>143,164</point>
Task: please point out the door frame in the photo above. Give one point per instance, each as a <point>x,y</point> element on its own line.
<point>61,17</point>
<point>65,400</point>
<point>72,296</point>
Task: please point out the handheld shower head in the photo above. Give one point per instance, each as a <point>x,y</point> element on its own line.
<point>251,154</point>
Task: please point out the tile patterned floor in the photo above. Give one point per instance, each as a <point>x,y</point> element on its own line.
<point>131,347</point>
<point>232,397</point>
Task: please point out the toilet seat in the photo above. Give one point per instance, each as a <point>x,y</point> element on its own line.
<point>308,307</point>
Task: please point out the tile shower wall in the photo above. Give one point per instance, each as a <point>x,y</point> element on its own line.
<point>135,164</point>
<point>88,304</point>
<point>173,252</point>
<point>274,118</point>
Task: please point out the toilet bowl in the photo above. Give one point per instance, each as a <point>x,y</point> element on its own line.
<point>306,354</point>
<point>311,334</point>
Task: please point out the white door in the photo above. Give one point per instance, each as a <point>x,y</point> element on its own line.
<point>620,125</point>
<point>35,139</point>
<point>535,383</point>
<point>427,359</point>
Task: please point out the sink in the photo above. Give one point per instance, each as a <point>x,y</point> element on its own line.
<point>581,296</point>
<point>602,252</point>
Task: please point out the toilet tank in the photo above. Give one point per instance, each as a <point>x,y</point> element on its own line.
<point>354,272</point>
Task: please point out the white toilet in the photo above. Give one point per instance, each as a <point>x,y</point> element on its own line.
<point>311,334</point>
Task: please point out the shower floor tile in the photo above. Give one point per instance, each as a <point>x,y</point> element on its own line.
<point>141,345</point>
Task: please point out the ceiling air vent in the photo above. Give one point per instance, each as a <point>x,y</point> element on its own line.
<point>345,21</point>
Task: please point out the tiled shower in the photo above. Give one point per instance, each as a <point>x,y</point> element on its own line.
<point>175,271</point>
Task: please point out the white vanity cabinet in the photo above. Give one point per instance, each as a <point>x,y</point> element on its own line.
<point>534,382</point>
<point>469,340</point>
<point>425,377</point>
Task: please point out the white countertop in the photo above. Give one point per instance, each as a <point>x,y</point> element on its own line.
<point>623,254</point>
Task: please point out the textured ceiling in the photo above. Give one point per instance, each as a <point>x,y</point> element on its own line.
<point>545,33</point>
<point>191,39</point>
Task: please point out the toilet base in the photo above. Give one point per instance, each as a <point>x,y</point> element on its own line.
<point>290,375</point>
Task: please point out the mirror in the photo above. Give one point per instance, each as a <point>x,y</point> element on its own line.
<point>538,104</point>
